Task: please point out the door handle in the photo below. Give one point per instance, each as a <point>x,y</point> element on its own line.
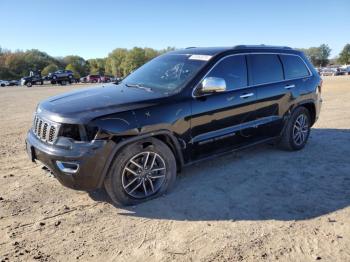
<point>289,86</point>
<point>247,95</point>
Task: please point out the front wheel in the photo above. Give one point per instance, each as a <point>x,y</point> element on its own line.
<point>29,84</point>
<point>297,130</point>
<point>141,171</point>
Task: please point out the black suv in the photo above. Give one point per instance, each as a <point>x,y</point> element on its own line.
<point>181,107</point>
<point>34,78</point>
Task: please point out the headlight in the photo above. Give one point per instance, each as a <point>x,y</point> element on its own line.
<point>78,132</point>
<point>71,131</point>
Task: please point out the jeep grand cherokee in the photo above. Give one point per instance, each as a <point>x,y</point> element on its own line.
<point>181,107</point>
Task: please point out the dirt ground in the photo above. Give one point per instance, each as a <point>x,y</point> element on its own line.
<point>261,204</point>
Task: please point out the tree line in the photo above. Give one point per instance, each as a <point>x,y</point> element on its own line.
<point>120,62</point>
<point>319,56</point>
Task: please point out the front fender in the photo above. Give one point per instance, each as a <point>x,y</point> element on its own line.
<point>126,141</point>
<point>116,125</point>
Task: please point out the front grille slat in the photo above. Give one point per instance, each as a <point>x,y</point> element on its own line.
<point>39,128</point>
<point>45,125</point>
<point>52,134</point>
<point>36,125</point>
<point>45,130</point>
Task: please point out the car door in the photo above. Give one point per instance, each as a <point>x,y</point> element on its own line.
<point>219,120</point>
<point>58,74</point>
<point>273,93</point>
<point>277,89</point>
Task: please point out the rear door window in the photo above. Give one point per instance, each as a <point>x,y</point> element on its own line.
<point>294,67</point>
<point>234,70</point>
<point>265,68</point>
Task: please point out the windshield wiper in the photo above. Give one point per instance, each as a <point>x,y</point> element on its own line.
<point>139,86</point>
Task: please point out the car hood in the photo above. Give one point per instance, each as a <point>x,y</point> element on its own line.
<point>83,105</point>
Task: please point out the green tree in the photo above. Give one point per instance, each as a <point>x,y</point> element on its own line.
<point>49,69</point>
<point>319,56</point>
<point>344,56</point>
<point>97,66</point>
<point>166,50</point>
<point>16,63</point>
<point>134,59</point>
<point>78,63</point>
<point>74,70</point>
<point>150,53</point>
<point>7,74</point>
<point>325,52</point>
<point>37,60</point>
<point>114,61</point>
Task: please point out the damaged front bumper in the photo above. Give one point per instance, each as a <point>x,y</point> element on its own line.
<point>77,165</point>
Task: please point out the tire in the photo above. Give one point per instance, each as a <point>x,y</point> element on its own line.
<point>42,82</point>
<point>29,84</point>
<point>118,182</point>
<point>289,140</point>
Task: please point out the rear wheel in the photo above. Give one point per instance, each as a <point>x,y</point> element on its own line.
<point>141,171</point>
<point>297,130</point>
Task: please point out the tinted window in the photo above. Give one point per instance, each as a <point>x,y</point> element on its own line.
<point>233,69</point>
<point>265,68</point>
<point>294,67</point>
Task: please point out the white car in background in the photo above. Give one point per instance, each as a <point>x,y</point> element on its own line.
<point>4,83</point>
<point>346,69</point>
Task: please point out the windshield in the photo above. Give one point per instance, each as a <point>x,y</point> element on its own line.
<point>165,73</point>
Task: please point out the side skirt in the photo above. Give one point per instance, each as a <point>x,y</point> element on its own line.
<point>263,141</point>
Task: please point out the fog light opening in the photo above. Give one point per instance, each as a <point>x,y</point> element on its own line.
<point>67,167</point>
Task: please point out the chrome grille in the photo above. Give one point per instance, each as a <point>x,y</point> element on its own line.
<point>45,130</point>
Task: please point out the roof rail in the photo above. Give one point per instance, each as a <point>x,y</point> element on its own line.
<point>190,47</point>
<point>262,46</point>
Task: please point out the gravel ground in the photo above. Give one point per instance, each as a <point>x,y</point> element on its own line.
<point>261,204</point>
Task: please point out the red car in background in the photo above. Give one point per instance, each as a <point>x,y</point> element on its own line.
<point>93,79</point>
<point>107,78</point>
<point>97,79</point>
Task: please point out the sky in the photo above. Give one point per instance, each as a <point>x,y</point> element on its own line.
<point>93,29</point>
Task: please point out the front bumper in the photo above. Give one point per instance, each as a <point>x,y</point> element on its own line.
<point>90,157</point>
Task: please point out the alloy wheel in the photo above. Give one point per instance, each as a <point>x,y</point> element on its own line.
<point>144,175</point>
<point>300,129</point>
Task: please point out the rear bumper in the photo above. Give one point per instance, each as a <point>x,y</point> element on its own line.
<point>90,159</point>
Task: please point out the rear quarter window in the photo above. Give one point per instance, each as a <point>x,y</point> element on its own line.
<point>294,67</point>
<point>265,68</point>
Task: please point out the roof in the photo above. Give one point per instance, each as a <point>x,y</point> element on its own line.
<point>216,50</point>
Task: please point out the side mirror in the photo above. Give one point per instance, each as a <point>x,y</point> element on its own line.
<point>213,85</point>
